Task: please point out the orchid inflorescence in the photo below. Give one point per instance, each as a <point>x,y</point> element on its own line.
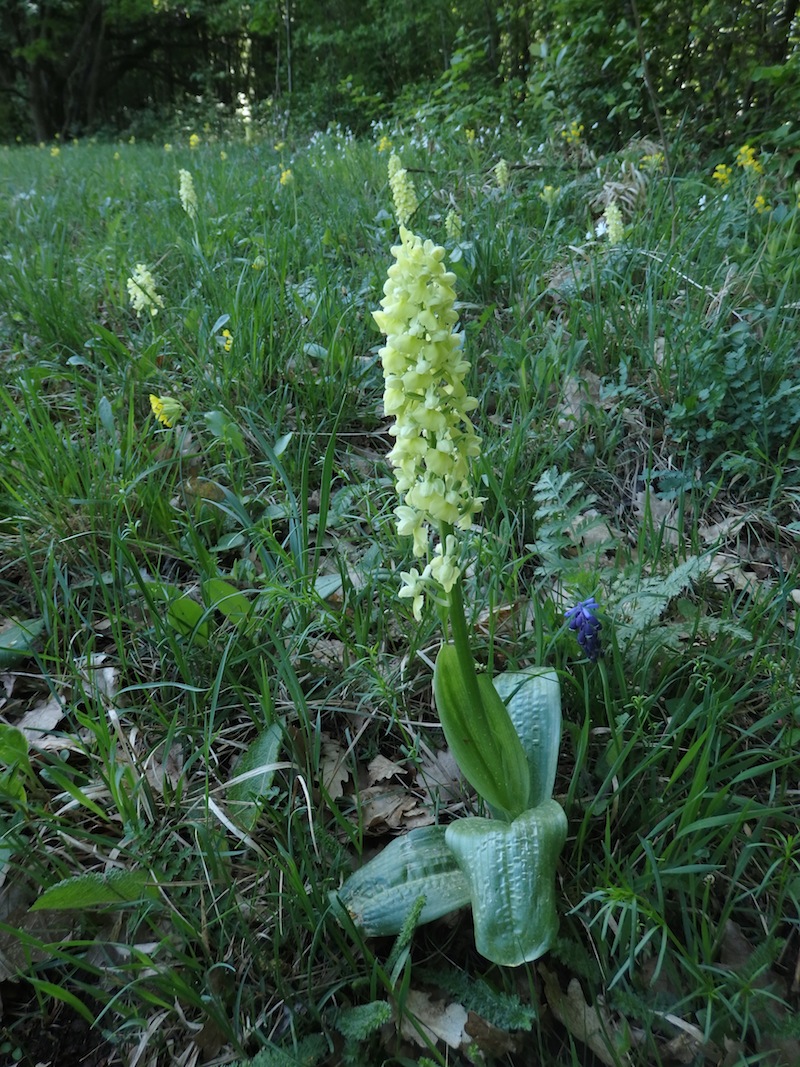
<point>424,373</point>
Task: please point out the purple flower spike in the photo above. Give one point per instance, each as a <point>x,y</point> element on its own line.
<point>583,620</point>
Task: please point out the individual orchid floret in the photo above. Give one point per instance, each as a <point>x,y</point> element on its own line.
<point>142,291</point>
<point>187,194</point>
<point>403,192</point>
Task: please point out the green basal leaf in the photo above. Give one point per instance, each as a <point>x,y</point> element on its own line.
<point>533,700</point>
<point>14,748</point>
<point>189,618</point>
<point>381,895</point>
<point>482,739</point>
<point>511,870</point>
<point>227,599</point>
<point>255,769</point>
<point>16,642</point>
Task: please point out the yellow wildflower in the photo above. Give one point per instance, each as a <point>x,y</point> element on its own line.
<point>167,147</point>
<point>142,291</point>
<point>227,343</point>
<point>166,410</point>
<point>117,156</point>
<point>194,141</point>
<point>424,391</point>
<point>452,225</point>
<point>55,151</point>
<point>223,155</point>
<point>502,174</point>
<point>574,133</point>
<point>653,161</point>
<point>469,133</point>
<point>747,160</point>
<point>403,192</point>
<point>761,205</point>
<point>286,177</point>
<point>722,174</point>
<point>258,263</point>
<point>187,194</point>
<point>384,145</point>
<point>280,145</point>
<point>614,224</point>
<point>550,195</point>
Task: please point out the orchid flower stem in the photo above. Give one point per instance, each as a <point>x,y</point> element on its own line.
<point>460,634</point>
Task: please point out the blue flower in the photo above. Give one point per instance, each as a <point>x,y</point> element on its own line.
<point>583,620</point>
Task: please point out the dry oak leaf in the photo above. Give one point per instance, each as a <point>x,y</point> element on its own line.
<point>392,808</point>
<point>381,768</point>
<point>440,1021</point>
<point>591,1025</point>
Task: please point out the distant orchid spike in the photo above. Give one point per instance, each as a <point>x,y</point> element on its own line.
<point>583,620</point>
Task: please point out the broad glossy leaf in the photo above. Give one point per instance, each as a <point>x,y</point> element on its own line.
<point>482,739</point>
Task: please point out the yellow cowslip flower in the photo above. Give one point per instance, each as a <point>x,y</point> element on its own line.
<point>722,174</point>
<point>187,194</point>
<point>279,146</point>
<point>194,141</point>
<point>142,291</point>
<point>469,133</point>
<point>166,410</point>
<point>761,205</point>
<point>653,161</point>
<point>286,177</point>
<point>223,155</point>
<point>384,145</point>
<point>502,174</point>
<point>550,195</point>
<point>574,134</point>
<point>452,225</point>
<point>614,225</point>
<point>167,147</point>
<point>55,151</point>
<point>403,192</point>
<point>747,160</point>
<point>424,391</point>
<point>227,343</point>
<point>259,263</point>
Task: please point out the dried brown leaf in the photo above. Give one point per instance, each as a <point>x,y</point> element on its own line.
<point>440,1021</point>
<point>41,720</point>
<point>392,807</point>
<point>440,777</point>
<point>332,769</point>
<point>590,1024</point>
<point>382,768</point>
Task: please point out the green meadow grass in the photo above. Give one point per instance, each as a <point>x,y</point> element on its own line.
<point>213,652</point>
